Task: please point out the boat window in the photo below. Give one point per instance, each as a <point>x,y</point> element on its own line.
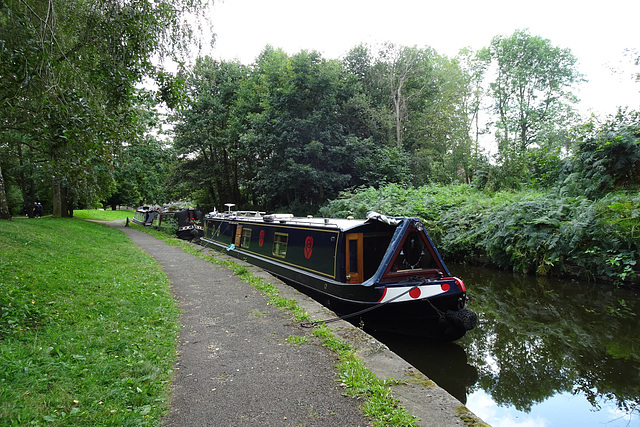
<point>280,241</point>
<point>414,255</point>
<point>246,238</point>
<point>375,246</point>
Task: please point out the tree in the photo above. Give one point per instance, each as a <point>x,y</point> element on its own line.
<point>72,68</point>
<point>210,156</point>
<point>408,71</point>
<point>142,174</point>
<point>303,153</point>
<point>4,205</point>
<point>439,132</point>
<point>531,90</point>
<point>420,102</point>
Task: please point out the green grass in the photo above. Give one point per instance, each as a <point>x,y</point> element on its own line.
<point>88,327</point>
<point>106,215</point>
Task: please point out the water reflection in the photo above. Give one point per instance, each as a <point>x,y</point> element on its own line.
<point>540,340</point>
<point>437,361</point>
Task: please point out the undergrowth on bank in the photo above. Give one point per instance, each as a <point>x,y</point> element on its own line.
<point>88,327</point>
<point>548,232</point>
<point>357,381</point>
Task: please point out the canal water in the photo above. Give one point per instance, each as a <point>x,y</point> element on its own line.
<point>546,352</point>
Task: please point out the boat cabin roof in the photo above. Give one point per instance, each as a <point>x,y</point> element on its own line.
<point>343,224</point>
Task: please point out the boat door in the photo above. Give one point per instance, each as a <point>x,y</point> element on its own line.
<point>238,237</point>
<point>354,264</point>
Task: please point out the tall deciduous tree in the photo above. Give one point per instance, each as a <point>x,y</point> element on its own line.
<point>408,73</point>
<point>531,89</point>
<point>304,152</point>
<point>205,140</point>
<point>71,79</point>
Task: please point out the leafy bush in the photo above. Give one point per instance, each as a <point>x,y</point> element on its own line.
<point>546,232</point>
<point>607,157</point>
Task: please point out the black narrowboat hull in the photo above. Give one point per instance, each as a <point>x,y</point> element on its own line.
<point>144,216</point>
<point>188,223</point>
<point>390,270</point>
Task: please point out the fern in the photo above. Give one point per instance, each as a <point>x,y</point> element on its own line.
<point>544,233</point>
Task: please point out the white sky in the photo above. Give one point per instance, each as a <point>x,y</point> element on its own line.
<point>596,32</point>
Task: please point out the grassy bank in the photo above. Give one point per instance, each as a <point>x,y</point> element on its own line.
<point>104,215</point>
<point>541,232</point>
<point>88,327</point>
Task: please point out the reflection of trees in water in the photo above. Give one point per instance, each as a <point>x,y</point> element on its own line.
<point>445,363</point>
<point>538,337</point>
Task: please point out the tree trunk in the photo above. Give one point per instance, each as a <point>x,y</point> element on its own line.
<point>4,205</point>
<point>57,197</point>
<point>64,203</point>
<point>396,102</point>
<point>27,186</point>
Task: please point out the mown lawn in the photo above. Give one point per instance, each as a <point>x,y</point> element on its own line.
<point>106,215</point>
<point>88,327</point>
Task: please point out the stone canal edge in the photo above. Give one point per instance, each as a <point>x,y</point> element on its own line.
<point>421,397</point>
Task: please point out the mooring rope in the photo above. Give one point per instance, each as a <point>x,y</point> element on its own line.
<point>357,313</point>
<point>204,247</point>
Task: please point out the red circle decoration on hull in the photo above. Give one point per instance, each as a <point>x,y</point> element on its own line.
<point>415,293</point>
<point>308,247</point>
<point>261,238</point>
<point>445,287</point>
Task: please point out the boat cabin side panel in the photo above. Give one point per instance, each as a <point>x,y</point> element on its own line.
<point>312,249</point>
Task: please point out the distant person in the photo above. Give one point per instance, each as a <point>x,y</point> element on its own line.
<point>37,209</point>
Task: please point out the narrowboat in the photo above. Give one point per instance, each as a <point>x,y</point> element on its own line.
<point>385,269</point>
<point>188,222</point>
<point>144,216</point>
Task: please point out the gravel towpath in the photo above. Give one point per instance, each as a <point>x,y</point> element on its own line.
<point>238,363</point>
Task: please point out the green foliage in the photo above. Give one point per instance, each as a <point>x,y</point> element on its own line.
<point>82,342</point>
<point>70,93</point>
<point>531,90</point>
<point>380,405</point>
<point>141,173</point>
<point>305,157</point>
<point>206,141</point>
<point>607,156</point>
<point>544,232</point>
<point>296,130</point>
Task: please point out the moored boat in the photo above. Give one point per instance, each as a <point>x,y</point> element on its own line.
<point>188,223</point>
<point>144,216</point>
<point>385,268</point>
